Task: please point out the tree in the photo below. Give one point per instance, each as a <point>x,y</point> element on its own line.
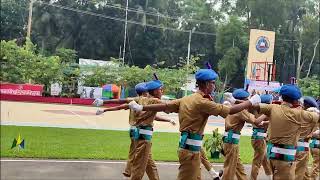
<point>310,86</point>
<point>232,44</point>
<point>228,64</point>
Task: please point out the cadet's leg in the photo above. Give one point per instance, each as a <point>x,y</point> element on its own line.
<point>230,161</point>
<point>316,162</point>
<point>151,169</point>
<point>127,171</point>
<point>140,161</point>
<point>266,165</point>
<point>259,154</point>
<point>240,172</point>
<point>302,159</point>
<point>283,169</point>
<point>189,165</point>
<point>204,160</point>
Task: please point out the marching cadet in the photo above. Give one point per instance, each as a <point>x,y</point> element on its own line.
<point>302,156</point>
<point>285,123</point>
<point>194,111</point>
<point>142,91</point>
<point>315,152</point>
<point>233,126</point>
<point>310,104</point>
<point>258,142</point>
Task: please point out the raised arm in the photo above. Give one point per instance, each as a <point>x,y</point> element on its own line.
<point>254,100</point>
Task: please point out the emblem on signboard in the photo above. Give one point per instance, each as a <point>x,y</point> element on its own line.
<point>262,44</point>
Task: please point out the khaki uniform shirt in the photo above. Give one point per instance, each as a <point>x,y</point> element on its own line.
<point>307,127</point>
<point>146,118</point>
<point>131,113</point>
<point>285,123</point>
<point>236,121</point>
<point>194,111</point>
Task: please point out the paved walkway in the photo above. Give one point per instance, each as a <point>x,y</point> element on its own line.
<point>19,169</point>
<point>73,116</point>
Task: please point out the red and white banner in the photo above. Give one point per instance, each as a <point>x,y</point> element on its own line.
<point>21,89</point>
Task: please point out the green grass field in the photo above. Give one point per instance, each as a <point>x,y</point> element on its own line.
<point>63,143</point>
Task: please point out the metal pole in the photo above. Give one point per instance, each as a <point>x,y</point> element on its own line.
<point>29,19</point>
<point>125,34</point>
<point>188,62</point>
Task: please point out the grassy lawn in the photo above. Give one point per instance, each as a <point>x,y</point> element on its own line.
<point>62,143</point>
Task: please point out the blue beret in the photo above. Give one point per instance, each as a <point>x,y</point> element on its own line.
<point>141,87</point>
<point>206,75</point>
<point>154,84</point>
<point>310,101</point>
<point>290,90</point>
<point>266,98</point>
<point>240,94</point>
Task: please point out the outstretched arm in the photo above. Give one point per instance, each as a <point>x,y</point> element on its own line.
<point>254,100</point>
<point>100,102</point>
<point>116,108</point>
<point>239,107</point>
<point>117,101</point>
<point>163,119</point>
<point>155,107</point>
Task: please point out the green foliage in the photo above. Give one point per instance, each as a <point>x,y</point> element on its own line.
<point>214,143</point>
<point>310,86</point>
<point>173,79</point>
<point>295,22</point>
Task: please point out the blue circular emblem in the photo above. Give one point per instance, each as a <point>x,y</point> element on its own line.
<point>262,44</point>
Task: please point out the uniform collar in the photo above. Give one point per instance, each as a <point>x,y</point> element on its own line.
<point>290,105</point>
<point>207,96</point>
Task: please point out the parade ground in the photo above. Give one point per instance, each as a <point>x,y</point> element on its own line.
<point>83,117</point>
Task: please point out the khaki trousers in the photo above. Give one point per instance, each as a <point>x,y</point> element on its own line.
<point>232,163</point>
<point>204,160</point>
<point>302,159</point>
<point>282,170</point>
<point>127,170</point>
<point>259,158</point>
<point>315,152</point>
<point>143,161</point>
<point>189,168</point>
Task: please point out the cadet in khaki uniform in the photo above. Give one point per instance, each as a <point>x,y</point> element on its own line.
<point>302,156</point>
<point>258,142</point>
<point>143,161</point>
<point>233,125</point>
<point>285,123</point>
<point>194,111</point>
<point>315,152</point>
<point>142,91</point>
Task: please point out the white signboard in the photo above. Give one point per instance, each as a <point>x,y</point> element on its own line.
<point>90,92</point>
<point>56,89</point>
